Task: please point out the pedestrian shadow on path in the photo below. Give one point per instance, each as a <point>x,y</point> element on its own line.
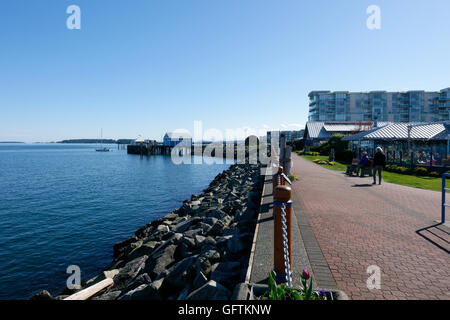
<point>436,235</point>
<point>362,185</point>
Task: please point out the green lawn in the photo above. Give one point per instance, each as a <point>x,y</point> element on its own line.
<point>429,183</point>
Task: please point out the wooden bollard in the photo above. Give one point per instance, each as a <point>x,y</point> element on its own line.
<point>282,195</point>
<point>278,178</point>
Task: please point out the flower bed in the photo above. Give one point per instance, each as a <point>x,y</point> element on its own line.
<point>274,291</point>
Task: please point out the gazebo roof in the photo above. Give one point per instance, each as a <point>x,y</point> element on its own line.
<point>399,131</point>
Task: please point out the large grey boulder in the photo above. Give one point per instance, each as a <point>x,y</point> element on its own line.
<point>144,231</point>
<point>192,232</point>
<point>146,248</point>
<point>120,246</point>
<point>210,220</point>
<point>112,295</point>
<point>141,279</point>
<point>233,243</point>
<point>42,295</point>
<point>210,291</point>
<point>210,241</point>
<point>225,272</point>
<point>204,265</point>
<point>160,261</point>
<point>212,255</point>
<point>183,251</point>
<point>199,240</point>
<point>131,247</point>
<point>185,225</point>
<point>181,274</point>
<point>129,272</point>
<point>217,229</point>
<point>143,292</point>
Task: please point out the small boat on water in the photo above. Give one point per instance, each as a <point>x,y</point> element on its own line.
<point>102,149</point>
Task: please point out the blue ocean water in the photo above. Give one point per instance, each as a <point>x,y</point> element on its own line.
<point>64,205</point>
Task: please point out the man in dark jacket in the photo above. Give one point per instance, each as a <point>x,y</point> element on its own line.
<point>379,162</point>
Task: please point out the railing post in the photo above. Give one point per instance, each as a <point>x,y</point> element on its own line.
<point>278,178</point>
<point>282,238</point>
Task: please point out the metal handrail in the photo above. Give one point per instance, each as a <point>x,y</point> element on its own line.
<point>444,189</point>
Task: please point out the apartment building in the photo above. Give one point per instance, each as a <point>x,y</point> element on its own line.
<point>410,106</point>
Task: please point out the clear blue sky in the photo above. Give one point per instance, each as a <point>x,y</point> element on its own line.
<point>149,66</point>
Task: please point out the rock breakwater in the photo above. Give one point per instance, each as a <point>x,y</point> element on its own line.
<point>199,251</point>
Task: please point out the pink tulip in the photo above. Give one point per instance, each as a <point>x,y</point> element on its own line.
<point>305,274</point>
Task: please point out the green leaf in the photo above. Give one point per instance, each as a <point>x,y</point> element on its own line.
<point>296,294</point>
<point>309,290</point>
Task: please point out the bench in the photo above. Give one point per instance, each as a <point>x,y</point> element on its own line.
<point>352,167</point>
<point>364,170</point>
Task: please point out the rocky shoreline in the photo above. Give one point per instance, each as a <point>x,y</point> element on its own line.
<point>197,252</point>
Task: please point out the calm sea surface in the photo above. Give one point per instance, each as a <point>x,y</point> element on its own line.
<point>64,205</point>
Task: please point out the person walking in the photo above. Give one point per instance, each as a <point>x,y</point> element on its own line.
<point>379,162</point>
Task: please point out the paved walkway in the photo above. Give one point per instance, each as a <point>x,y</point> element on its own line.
<point>394,227</point>
<point>262,263</point>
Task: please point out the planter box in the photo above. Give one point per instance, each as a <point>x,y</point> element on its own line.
<point>242,292</point>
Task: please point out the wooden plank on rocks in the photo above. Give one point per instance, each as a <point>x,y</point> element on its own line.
<point>88,293</point>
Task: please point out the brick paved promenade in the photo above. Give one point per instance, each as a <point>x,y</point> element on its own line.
<point>358,225</point>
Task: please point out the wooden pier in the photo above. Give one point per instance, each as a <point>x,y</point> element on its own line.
<point>148,149</point>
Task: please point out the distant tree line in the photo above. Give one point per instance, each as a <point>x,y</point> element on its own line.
<point>11,142</point>
<point>105,141</point>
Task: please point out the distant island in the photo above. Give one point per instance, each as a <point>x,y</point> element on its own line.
<point>105,141</point>
<point>11,142</point>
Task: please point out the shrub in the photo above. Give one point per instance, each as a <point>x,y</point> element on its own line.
<point>435,174</point>
<point>404,170</point>
<point>345,156</point>
<point>334,142</point>
<point>397,169</point>
<point>420,171</point>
